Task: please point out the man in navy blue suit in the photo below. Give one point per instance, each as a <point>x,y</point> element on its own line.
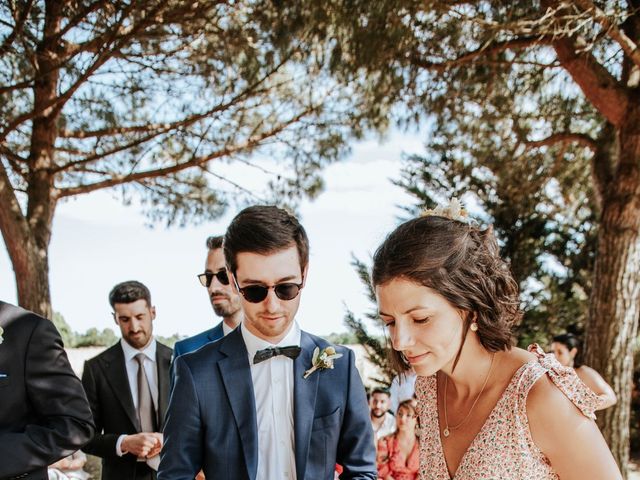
<point>268,401</point>
<point>224,300</point>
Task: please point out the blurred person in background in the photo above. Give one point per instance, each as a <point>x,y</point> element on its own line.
<point>398,453</point>
<point>383,422</point>
<point>566,348</point>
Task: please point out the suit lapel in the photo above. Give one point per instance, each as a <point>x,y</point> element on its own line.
<point>236,376</point>
<point>163,362</point>
<point>115,372</point>
<point>304,403</point>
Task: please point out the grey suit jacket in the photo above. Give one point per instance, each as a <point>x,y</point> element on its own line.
<point>211,423</point>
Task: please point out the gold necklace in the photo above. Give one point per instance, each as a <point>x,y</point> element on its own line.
<point>447,429</point>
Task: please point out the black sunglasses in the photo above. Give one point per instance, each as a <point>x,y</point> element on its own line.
<point>257,293</point>
<point>207,277</point>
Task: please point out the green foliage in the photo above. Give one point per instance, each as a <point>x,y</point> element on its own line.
<point>342,338</point>
<point>486,102</point>
<point>105,338</point>
<point>96,338</point>
<point>169,341</point>
<point>377,348</point>
<point>157,97</point>
<point>67,334</point>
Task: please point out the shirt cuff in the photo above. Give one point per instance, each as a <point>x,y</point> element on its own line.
<point>119,451</point>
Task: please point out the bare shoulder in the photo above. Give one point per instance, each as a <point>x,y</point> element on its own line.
<point>551,413</point>
<point>512,360</point>
<point>571,441</point>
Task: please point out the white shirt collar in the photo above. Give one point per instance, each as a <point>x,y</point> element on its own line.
<point>254,343</point>
<point>226,329</point>
<point>130,352</point>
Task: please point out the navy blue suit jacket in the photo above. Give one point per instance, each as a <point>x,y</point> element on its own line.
<point>211,422</point>
<point>192,344</point>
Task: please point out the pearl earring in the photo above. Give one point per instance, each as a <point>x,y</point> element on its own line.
<point>474,327</point>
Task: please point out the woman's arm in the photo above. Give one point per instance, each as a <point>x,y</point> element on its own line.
<point>597,384</point>
<point>572,442</point>
<point>383,455</point>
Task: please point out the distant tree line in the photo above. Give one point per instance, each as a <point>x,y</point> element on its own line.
<point>96,338</point>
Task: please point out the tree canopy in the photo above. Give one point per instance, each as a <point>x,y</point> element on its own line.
<point>153,99</point>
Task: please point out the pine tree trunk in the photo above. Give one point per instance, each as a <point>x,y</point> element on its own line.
<point>27,234</point>
<point>31,267</point>
<point>615,300</point>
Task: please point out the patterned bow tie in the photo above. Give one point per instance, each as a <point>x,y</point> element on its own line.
<point>262,355</point>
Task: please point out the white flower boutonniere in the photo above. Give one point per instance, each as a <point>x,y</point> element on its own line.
<point>1,332</point>
<point>322,359</point>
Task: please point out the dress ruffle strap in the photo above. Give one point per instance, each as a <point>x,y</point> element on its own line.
<point>566,379</point>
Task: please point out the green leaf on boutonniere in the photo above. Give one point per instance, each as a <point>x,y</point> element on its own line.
<point>322,359</point>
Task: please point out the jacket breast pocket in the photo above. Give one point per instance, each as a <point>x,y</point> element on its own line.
<point>327,421</point>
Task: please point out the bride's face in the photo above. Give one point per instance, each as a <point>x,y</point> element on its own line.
<point>422,324</point>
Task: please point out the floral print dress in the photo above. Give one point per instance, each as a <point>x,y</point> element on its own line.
<point>503,449</point>
<point>391,462</point>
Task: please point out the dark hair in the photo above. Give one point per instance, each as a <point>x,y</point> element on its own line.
<point>129,292</point>
<point>409,404</point>
<point>381,390</point>
<point>264,229</point>
<point>214,241</point>
<point>570,341</point>
<point>461,262</point>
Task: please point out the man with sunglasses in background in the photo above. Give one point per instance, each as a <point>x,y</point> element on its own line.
<point>268,401</point>
<point>224,300</point>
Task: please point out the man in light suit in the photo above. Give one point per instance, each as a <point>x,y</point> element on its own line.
<point>242,408</point>
<point>224,300</point>
<point>128,389</point>
<point>44,413</point>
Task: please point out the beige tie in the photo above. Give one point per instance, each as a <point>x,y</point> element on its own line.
<point>146,412</point>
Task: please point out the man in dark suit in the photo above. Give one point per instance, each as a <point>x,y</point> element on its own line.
<point>268,401</point>
<point>128,390</point>
<point>224,300</point>
<point>44,413</point>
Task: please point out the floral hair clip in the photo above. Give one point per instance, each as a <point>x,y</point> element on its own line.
<point>453,211</point>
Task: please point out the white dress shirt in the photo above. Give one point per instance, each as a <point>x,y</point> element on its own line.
<point>401,391</point>
<point>131,364</point>
<point>387,427</point>
<point>273,391</point>
<point>226,329</point>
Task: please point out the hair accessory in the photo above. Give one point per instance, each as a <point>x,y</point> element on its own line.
<point>453,211</point>
<point>474,327</point>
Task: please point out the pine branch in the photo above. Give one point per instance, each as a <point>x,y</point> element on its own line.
<point>565,137</point>
<point>611,28</point>
<point>120,179</point>
<point>17,28</point>
<point>376,352</point>
<point>487,50</point>
<point>363,270</point>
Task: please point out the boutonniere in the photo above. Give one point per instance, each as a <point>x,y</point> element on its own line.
<point>1,332</point>
<point>322,359</point>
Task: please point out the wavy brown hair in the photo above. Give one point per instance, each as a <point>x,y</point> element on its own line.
<point>462,263</point>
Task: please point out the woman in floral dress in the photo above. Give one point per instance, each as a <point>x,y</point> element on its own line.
<point>488,411</point>
<point>398,452</point>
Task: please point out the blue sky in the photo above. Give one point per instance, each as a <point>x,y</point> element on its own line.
<point>97,242</point>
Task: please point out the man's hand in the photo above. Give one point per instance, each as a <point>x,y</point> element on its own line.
<point>142,445</point>
<point>200,475</point>
<point>156,450</point>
